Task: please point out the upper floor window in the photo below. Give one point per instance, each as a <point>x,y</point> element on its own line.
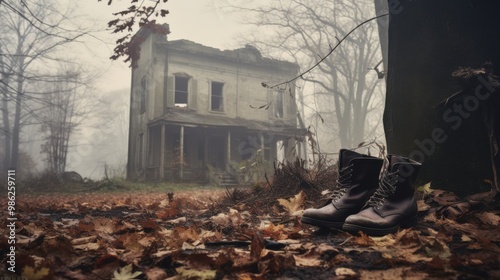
<point>279,104</point>
<point>144,90</point>
<point>181,91</point>
<point>217,97</point>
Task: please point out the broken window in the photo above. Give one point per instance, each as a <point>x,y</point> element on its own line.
<point>278,104</point>
<point>181,91</point>
<point>217,101</point>
<point>144,90</point>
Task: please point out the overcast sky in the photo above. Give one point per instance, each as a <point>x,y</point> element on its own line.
<point>195,20</point>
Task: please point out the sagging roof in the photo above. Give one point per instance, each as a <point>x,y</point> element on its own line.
<point>182,116</point>
<point>247,54</point>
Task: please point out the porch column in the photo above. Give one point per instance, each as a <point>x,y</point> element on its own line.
<point>228,151</point>
<point>181,157</point>
<point>162,153</point>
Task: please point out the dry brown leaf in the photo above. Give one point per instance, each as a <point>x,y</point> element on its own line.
<point>393,273</point>
<point>257,246</point>
<point>156,274</point>
<point>272,231</point>
<point>31,273</point>
<point>83,240</point>
<point>307,262</point>
<point>488,218</point>
<point>125,273</point>
<point>187,234</point>
<point>221,219</point>
<point>87,246</point>
<point>422,206</point>
<point>343,271</point>
<point>294,204</point>
<point>465,238</point>
<point>271,262</point>
<point>184,273</point>
<point>363,240</point>
<point>436,247</point>
<point>180,220</point>
<point>104,225</point>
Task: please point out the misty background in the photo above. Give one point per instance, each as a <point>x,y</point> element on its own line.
<point>341,102</point>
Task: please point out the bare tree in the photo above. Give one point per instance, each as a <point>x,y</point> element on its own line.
<point>344,84</point>
<point>60,119</point>
<point>33,32</point>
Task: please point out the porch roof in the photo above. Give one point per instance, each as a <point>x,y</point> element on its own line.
<point>192,119</point>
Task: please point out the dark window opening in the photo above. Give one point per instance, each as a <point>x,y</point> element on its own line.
<point>181,91</point>
<point>217,101</point>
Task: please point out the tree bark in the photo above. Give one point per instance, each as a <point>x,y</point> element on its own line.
<point>444,35</point>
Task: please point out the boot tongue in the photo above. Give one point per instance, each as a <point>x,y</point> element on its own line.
<point>346,156</point>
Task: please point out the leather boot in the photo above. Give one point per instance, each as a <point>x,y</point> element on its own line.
<point>357,181</point>
<point>393,204</point>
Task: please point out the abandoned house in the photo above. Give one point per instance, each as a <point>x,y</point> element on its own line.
<point>195,115</point>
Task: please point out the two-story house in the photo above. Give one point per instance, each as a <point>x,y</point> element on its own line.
<point>197,112</point>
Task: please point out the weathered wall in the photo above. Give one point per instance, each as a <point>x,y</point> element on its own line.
<point>138,120</point>
<point>242,86</point>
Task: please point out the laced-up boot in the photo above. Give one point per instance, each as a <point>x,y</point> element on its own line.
<point>393,204</point>
<point>357,181</point>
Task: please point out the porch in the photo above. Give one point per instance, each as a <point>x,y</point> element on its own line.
<point>222,155</point>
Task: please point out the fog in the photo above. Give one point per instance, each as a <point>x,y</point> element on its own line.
<point>99,144</point>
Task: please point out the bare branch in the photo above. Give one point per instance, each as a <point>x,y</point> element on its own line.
<point>327,55</point>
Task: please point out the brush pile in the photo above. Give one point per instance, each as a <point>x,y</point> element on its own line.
<point>289,179</point>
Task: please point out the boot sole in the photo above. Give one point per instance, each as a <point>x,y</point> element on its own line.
<point>354,229</point>
<point>321,223</point>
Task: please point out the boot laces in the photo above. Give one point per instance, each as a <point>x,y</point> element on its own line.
<point>343,182</point>
<point>387,187</point>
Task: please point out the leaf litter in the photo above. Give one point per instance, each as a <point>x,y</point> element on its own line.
<point>245,233</point>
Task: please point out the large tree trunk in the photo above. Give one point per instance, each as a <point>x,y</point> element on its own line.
<point>5,118</point>
<point>16,130</point>
<point>428,40</point>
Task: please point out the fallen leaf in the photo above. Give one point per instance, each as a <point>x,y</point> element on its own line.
<point>294,204</point>
<point>436,247</point>
<point>363,240</point>
<point>488,218</point>
<point>272,262</point>
<point>425,189</point>
<point>307,262</point>
<point>343,271</point>
<point>156,274</point>
<point>258,244</point>
<point>465,238</point>
<point>422,206</point>
<point>184,273</point>
<point>177,221</point>
<point>87,246</point>
<point>125,273</point>
<point>35,274</point>
<point>187,246</point>
<point>83,240</point>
